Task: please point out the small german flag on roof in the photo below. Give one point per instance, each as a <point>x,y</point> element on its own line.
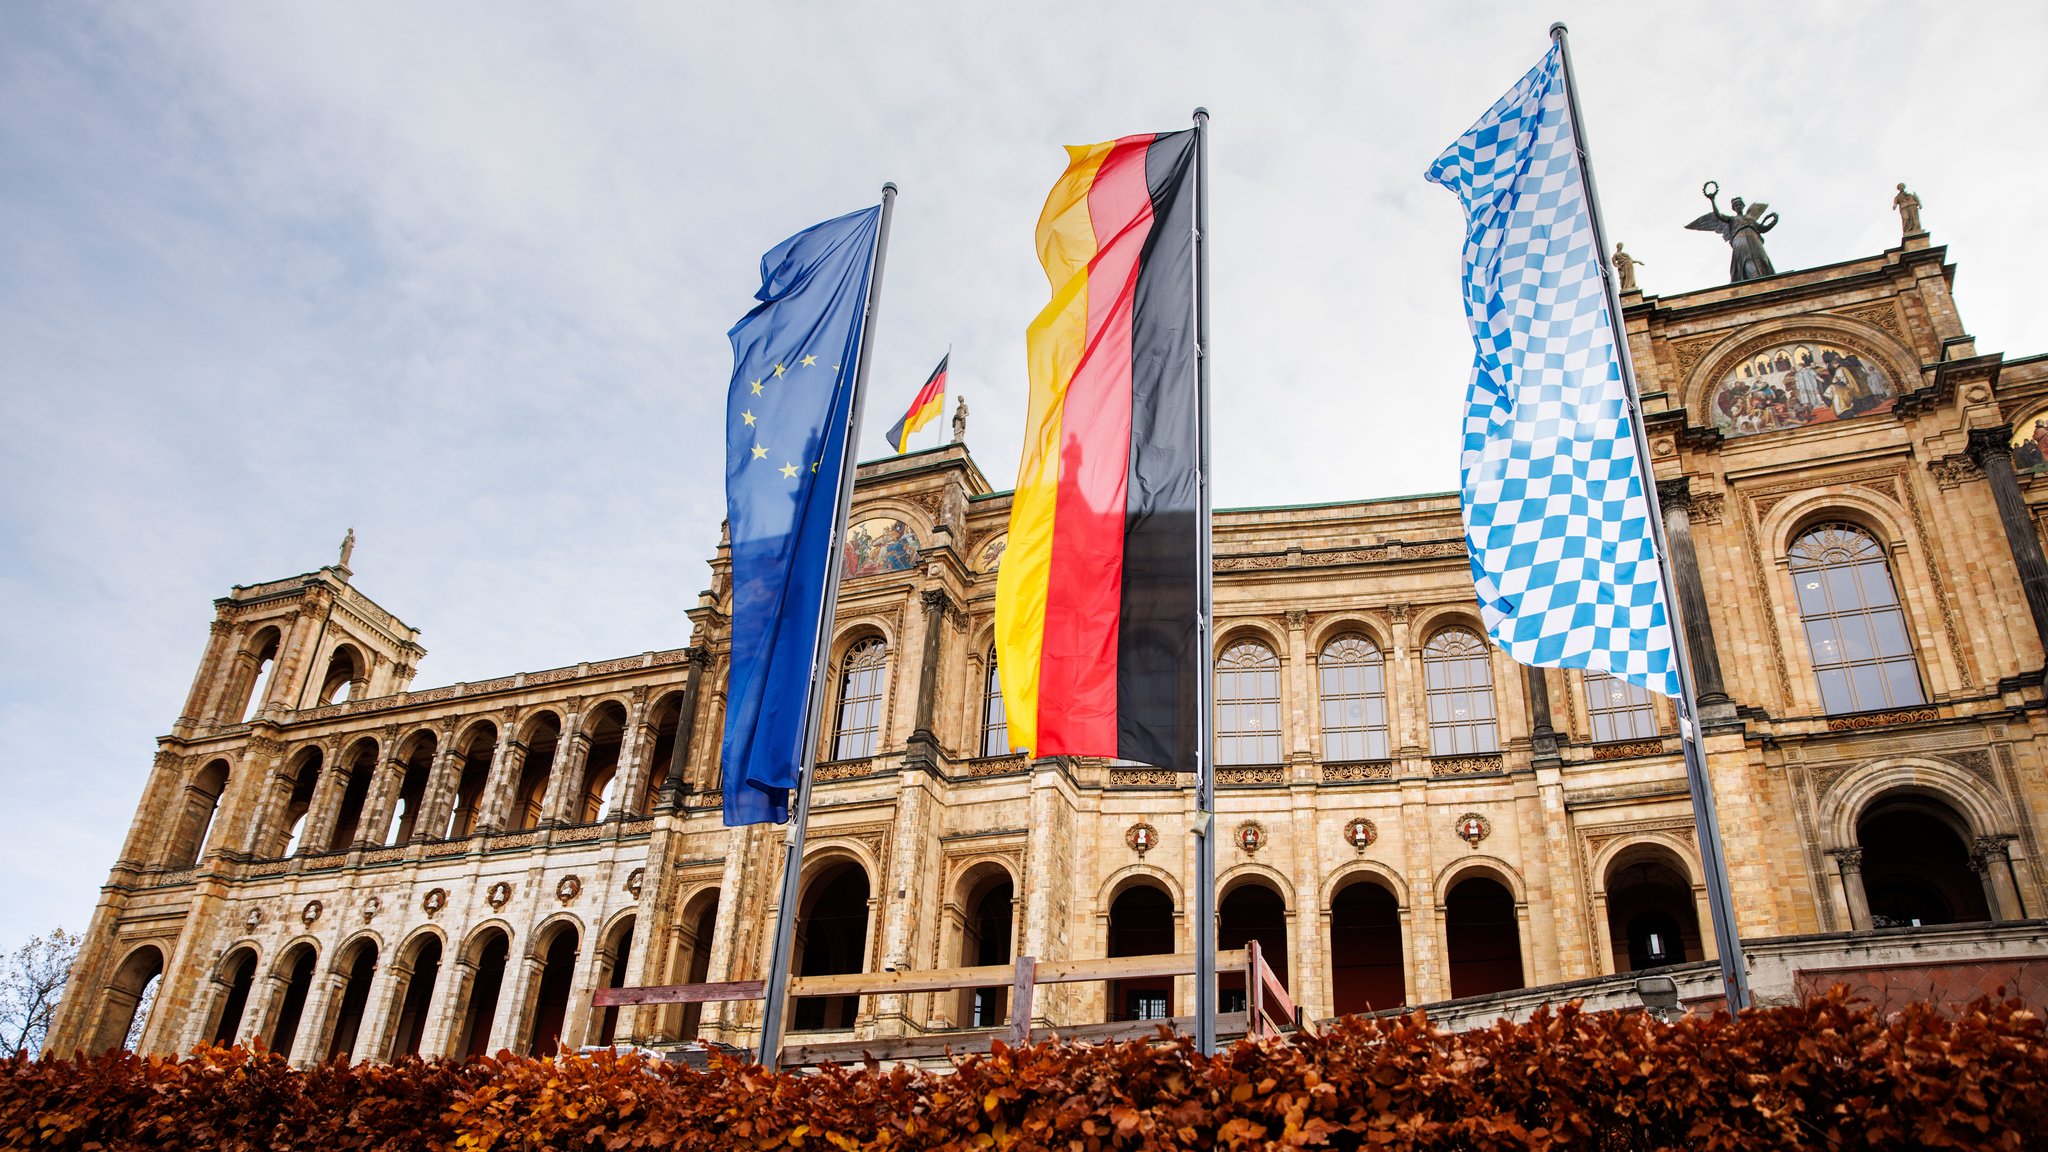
<point>931,400</point>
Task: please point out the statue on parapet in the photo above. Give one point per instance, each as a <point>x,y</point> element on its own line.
<point>1625,267</point>
<point>960,422</point>
<point>1744,232</point>
<point>1909,211</point>
<point>348,548</point>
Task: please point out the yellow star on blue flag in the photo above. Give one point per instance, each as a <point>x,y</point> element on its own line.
<point>812,297</point>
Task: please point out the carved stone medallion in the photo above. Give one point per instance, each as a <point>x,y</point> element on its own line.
<point>635,880</point>
<point>311,913</point>
<point>1361,833</point>
<point>1472,828</point>
<point>371,907</point>
<point>435,900</point>
<point>1251,836</point>
<point>1142,837</point>
<point>500,894</point>
<point>570,888</point>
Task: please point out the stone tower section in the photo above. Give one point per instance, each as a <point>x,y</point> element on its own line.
<point>296,643</point>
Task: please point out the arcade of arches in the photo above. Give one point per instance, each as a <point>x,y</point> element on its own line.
<point>329,860</point>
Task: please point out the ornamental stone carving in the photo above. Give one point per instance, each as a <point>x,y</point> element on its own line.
<point>569,889</point>
<point>635,881</point>
<point>500,894</point>
<point>435,900</point>
<point>311,913</point>
<point>371,907</point>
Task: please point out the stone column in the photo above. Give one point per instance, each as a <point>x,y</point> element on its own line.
<point>1989,447</point>
<point>678,784</point>
<point>445,1010</point>
<point>506,764</point>
<point>1849,862</point>
<point>310,1045</point>
<point>381,805</point>
<point>1542,737</point>
<point>565,777</point>
<point>515,1001</point>
<point>630,778</point>
<point>1675,496</point>
<point>1993,867</point>
<point>380,1011</point>
<point>437,804</point>
<point>923,748</point>
<point>325,806</point>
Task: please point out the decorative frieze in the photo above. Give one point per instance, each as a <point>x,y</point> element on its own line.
<point>1369,770</point>
<point>1146,778</point>
<point>1626,749</point>
<point>1863,720</point>
<point>1465,765</point>
<point>1228,777</point>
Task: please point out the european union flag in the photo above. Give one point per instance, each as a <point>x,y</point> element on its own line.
<point>785,444</point>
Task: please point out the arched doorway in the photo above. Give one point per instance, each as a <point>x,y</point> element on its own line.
<point>1652,920</point>
<point>409,1031</point>
<point>985,929</point>
<point>551,1002</point>
<point>1141,924</point>
<point>360,964</point>
<point>1250,911</point>
<point>700,920</point>
<point>614,974</point>
<point>1483,936</point>
<point>297,970</point>
<point>1916,864</point>
<point>240,973</point>
<point>487,952</point>
<point>1367,973</point>
<point>128,998</point>
<point>832,937</point>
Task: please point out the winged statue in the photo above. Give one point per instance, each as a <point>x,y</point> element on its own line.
<point>1743,230</point>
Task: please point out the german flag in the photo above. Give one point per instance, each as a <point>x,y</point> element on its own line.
<point>931,400</point>
<point>1098,592</point>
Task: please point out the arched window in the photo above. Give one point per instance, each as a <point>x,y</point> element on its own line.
<point>1855,630</point>
<point>1459,676</point>
<point>995,723</point>
<point>1248,705</point>
<point>1619,710</point>
<point>860,700</point>
<point>1352,679</point>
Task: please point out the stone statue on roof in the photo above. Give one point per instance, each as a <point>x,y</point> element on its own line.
<point>1744,231</point>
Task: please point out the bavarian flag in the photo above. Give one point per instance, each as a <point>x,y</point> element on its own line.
<point>931,400</point>
<point>1097,596</point>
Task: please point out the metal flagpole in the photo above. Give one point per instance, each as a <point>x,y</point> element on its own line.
<point>1720,902</point>
<point>1205,730</point>
<point>777,988</point>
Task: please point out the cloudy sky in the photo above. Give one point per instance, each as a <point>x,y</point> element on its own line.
<point>459,276</point>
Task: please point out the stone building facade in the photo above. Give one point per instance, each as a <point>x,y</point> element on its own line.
<point>329,860</point>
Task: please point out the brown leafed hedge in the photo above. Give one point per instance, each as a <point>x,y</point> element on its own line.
<point>1829,1074</point>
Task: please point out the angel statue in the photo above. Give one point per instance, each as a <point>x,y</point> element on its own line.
<point>1744,232</point>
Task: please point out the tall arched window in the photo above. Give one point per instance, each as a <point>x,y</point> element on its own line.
<point>860,700</point>
<point>1855,630</point>
<point>1458,673</point>
<point>1248,705</point>
<point>1352,680</point>
<point>1619,710</point>
<point>995,723</point>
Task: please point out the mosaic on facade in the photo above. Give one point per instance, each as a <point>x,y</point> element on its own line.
<point>882,544</point>
<point>2030,445</point>
<point>1795,384</point>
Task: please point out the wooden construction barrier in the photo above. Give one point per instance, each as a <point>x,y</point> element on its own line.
<point>1268,1008</point>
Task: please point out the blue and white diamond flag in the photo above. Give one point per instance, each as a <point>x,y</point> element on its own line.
<point>1555,517</point>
